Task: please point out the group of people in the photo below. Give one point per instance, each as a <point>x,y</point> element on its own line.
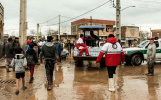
<point>51,52</point>
<point>20,59</point>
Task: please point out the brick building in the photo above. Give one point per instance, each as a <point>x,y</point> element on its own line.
<point>130,35</point>
<point>156,32</point>
<point>107,24</point>
<point>1,28</point>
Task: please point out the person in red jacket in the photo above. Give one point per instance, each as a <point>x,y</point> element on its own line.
<point>113,54</point>
<point>82,46</point>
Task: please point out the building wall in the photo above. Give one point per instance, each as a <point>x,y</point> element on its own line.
<point>108,26</point>
<point>129,32</point>
<point>156,33</point>
<point>1,29</point>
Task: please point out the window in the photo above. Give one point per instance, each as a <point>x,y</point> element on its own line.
<point>132,31</point>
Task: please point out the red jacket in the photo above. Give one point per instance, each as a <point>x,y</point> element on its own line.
<point>113,53</point>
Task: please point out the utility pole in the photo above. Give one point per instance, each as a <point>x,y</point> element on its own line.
<point>118,20</point>
<point>37,32</point>
<point>23,24</point>
<point>91,20</point>
<point>59,28</point>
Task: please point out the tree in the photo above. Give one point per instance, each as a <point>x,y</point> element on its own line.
<point>32,32</point>
<point>144,35</point>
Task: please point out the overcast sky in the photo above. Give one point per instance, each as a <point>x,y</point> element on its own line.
<point>146,14</point>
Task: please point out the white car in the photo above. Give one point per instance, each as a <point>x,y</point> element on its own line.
<point>138,54</point>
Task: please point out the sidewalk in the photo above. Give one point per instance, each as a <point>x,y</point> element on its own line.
<point>2,63</point>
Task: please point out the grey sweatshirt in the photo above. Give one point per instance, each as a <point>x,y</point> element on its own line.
<point>19,62</point>
<point>151,51</point>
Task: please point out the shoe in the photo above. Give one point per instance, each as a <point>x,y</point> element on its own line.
<point>111,85</point>
<point>31,80</point>
<point>17,92</point>
<point>24,88</point>
<point>49,87</point>
<point>87,55</point>
<point>149,74</point>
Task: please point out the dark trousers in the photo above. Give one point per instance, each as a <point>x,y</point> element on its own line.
<point>111,70</point>
<point>150,66</point>
<point>60,57</point>
<point>49,66</point>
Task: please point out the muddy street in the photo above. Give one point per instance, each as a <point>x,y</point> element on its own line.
<point>84,83</point>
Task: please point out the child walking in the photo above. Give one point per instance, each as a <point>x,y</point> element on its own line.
<point>31,61</point>
<point>19,62</point>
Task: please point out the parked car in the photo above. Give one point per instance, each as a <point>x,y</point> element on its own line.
<point>137,55</point>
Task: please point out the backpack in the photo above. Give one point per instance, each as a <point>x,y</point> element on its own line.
<point>30,60</point>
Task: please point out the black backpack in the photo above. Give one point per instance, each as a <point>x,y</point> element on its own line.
<point>30,60</point>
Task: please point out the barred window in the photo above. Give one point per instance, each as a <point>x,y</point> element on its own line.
<point>132,31</point>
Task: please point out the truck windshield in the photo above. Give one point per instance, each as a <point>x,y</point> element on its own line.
<point>143,44</point>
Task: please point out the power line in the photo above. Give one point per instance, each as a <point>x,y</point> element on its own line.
<point>83,13</point>
<point>50,20</point>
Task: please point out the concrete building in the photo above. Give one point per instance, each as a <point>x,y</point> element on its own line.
<point>1,29</point>
<point>107,24</point>
<point>130,35</point>
<point>156,33</point>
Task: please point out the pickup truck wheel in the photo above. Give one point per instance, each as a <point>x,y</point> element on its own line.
<point>78,63</point>
<point>136,60</point>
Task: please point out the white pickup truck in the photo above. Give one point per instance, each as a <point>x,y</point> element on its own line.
<point>137,55</point>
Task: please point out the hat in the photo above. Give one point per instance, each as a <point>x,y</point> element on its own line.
<point>49,38</point>
<point>111,35</point>
<point>16,38</point>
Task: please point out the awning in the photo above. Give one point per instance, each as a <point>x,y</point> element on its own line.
<point>91,28</point>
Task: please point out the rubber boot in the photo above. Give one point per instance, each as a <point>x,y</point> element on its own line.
<point>111,85</point>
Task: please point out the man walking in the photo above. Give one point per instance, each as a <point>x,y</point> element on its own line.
<point>9,53</point>
<point>49,51</point>
<point>59,48</point>
<point>151,53</point>
<point>113,51</point>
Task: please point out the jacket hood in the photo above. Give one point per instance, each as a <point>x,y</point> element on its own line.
<point>112,40</point>
<point>19,56</point>
<point>30,51</point>
<point>49,44</point>
<point>56,42</point>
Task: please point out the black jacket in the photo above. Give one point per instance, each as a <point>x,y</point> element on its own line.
<point>33,53</point>
<point>50,52</point>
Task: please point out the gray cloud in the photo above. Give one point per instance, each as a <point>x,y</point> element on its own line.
<point>42,10</point>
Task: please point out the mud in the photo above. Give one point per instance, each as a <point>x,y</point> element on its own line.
<point>85,83</point>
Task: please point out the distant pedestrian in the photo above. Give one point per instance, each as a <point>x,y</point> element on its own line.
<point>69,46</point>
<point>50,52</point>
<point>43,43</point>
<point>113,53</point>
<point>59,48</point>
<point>27,45</point>
<point>16,43</point>
<point>9,53</point>
<point>20,63</point>
<point>31,61</point>
<point>151,54</point>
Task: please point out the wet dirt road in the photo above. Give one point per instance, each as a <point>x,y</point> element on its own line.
<point>85,83</point>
